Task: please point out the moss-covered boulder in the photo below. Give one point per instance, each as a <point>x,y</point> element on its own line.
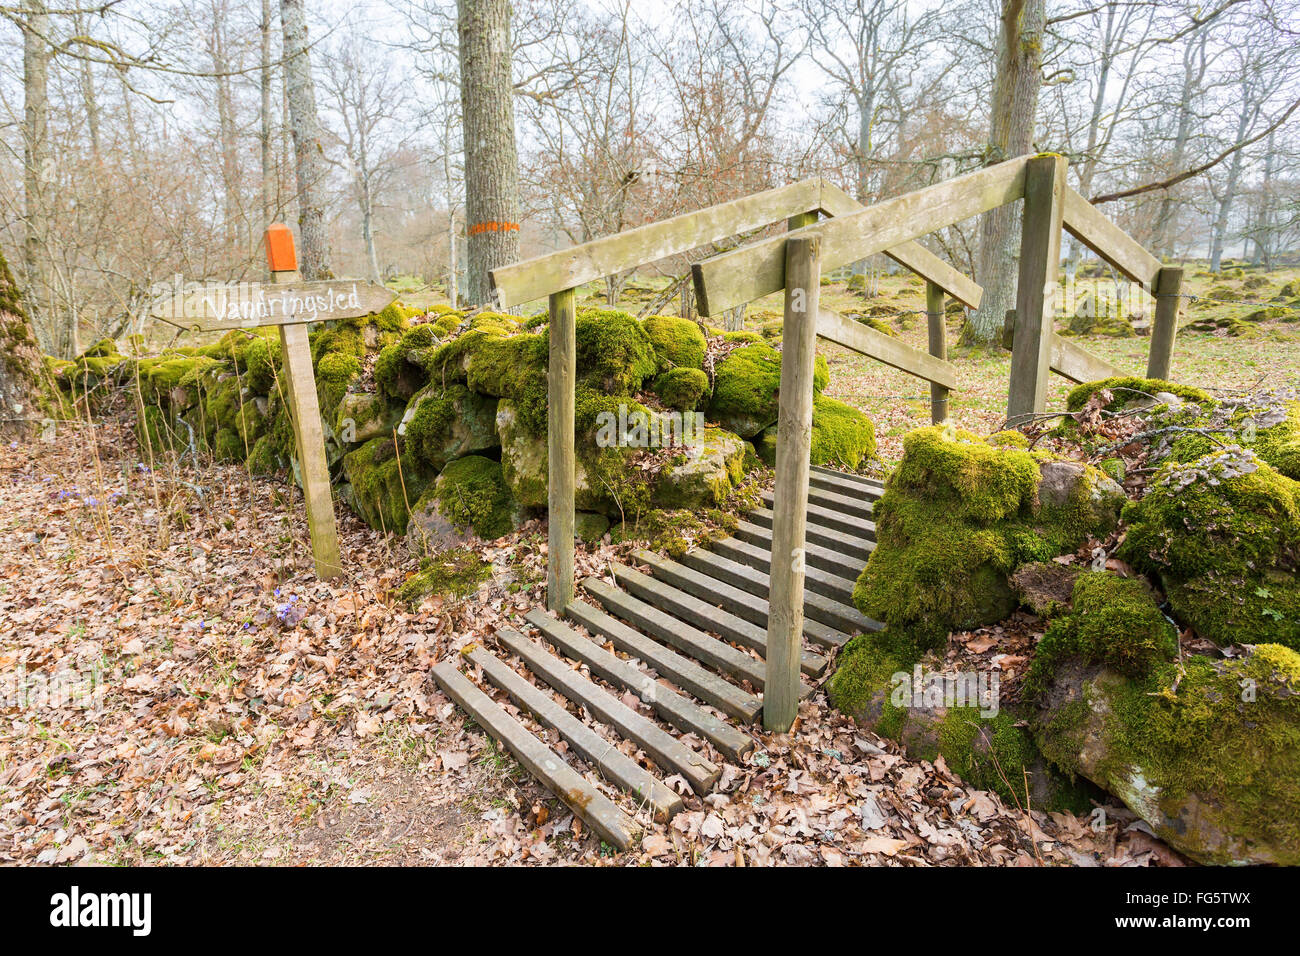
<point>842,436</point>
<point>443,424</point>
<point>702,474</point>
<point>1223,535</point>
<point>747,385</point>
<point>454,573</point>
<point>362,416</point>
<point>615,354</point>
<point>684,389</point>
<point>401,369</point>
<point>381,484</point>
<point>1206,751</point>
<point>678,343</point>
<point>1100,316</point>
<point>523,456</point>
<point>469,497</point>
<point>958,516</point>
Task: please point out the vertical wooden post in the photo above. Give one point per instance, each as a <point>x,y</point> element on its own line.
<point>790,501</point>
<point>1040,261</point>
<point>1164,329</point>
<point>938,348</point>
<point>304,410</point>
<point>561,382</point>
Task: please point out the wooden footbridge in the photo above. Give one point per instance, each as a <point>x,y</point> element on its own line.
<point>749,626</point>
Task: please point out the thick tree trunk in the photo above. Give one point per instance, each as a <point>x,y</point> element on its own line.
<point>20,366</point>
<point>36,265</point>
<point>309,152</point>
<point>1011,133</point>
<point>491,166</point>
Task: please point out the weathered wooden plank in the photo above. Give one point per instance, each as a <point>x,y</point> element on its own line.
<point>561,462</point>
<point>569,268</point>
<point>249,305</point>
<point>850,544</point>
<point>818,607</point>
<point>590,805</point>
<point>759,558</point>
<point>1164,328</point>
<point>883,348</point>
<point>1090,226</point>
<point>814,554</point>
<point>850,504</point>
<point>848,476</point>
<point>1077,364</point>
<point>671,706</point>
<point>793,445</point>
<point>938,339</point>
<point>705,614</point>
<point>304,408</point>
<point>591,746</point>
<point>733,600</point>
<point>821,517</point>
<point>1040,260</point>
<point>910,255</point>
<point>685,673</point>
<point>758,269</point>
<point>662,747</point>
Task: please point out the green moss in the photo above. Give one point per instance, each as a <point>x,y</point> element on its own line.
<point>228,446</point>
<point>1223,533</point>
<point>263,460</point>
<point>675,531</point>
<point>841,435</point>
<point>1224,732</point>
<point>472,494</point>
<point>1279,444</point>
<point>450,423</point>
<point>1114,622</point>
<point>401,369</point>
<point>746,388</point>
<point>1123,389</point>
<point>678,343</point>
<point>456,572</point>
<point>682,388</point>
<point>383,484</point>
<point>615,354</point>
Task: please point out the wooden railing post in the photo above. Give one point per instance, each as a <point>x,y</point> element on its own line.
<point>304,410</point>
<point>1164,328</point>
<point>790,500</point>
<point>1040,261</point>
<point>938,348</point>
<point>561,382</point>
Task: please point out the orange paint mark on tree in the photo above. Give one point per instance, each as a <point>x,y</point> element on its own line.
<point>480,227</point>
<point>280,254</point>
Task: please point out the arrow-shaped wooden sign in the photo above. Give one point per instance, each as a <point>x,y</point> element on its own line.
<point>247,305</point>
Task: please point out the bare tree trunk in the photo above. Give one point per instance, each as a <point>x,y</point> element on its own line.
<point>268,155</point>
<point>36,265</point>
<point>1015,104</point>
<point>491,164</point>
<point>453,268</point>
<point>227,133</point>
<point>1229,195</point>
<point>1263,234</point>
<point>1194,66</point>
<point>309,152</point>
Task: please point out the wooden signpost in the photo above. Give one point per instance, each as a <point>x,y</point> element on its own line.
<point>289,303</point>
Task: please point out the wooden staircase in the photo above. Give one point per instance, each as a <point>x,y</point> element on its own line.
<point>699,625</point>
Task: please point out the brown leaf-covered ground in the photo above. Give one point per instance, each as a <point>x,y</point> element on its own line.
<point>179,689</point>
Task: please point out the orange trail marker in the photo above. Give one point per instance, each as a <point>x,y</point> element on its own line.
<point>280,254</point>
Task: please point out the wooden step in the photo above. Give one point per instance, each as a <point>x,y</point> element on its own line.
<point>590,805</point>
<point>844,483</point>
<point>760,559</point>
<point>662,747</point>
<point>705,614</point>
<point>874,484</point>
<point>817,607</point>
<point>739,602</point>
<point>682,671</point>
<point>672,707</point>
<point>592,747</point>
<point>858,508</point>
<point>691,641</point>
<point>838,541</point>
<point>834,520</point>
<point>815,555</point>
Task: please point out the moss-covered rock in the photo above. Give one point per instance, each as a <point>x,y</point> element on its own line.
<point>383,483</point>
<point>703,473</point>
<point>958,516</point>
<point>684,389</point>
<point>746,388</point>
<point>1206,751</point>
<point>1223,534</point>
<point>1126,390</point>
<point>362,416</point>
<point>678,343</point>
<point>469,496</point>
<point>443,424</point>
<point>615,355</point>
<point>455,573</point>
<point>401,369</point>
<point>842,436</point>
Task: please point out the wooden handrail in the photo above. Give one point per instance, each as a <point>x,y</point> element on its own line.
<point>569,268</point>
<point>758,269</point>
<point>1087,224</point>
<point>884,348</point>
